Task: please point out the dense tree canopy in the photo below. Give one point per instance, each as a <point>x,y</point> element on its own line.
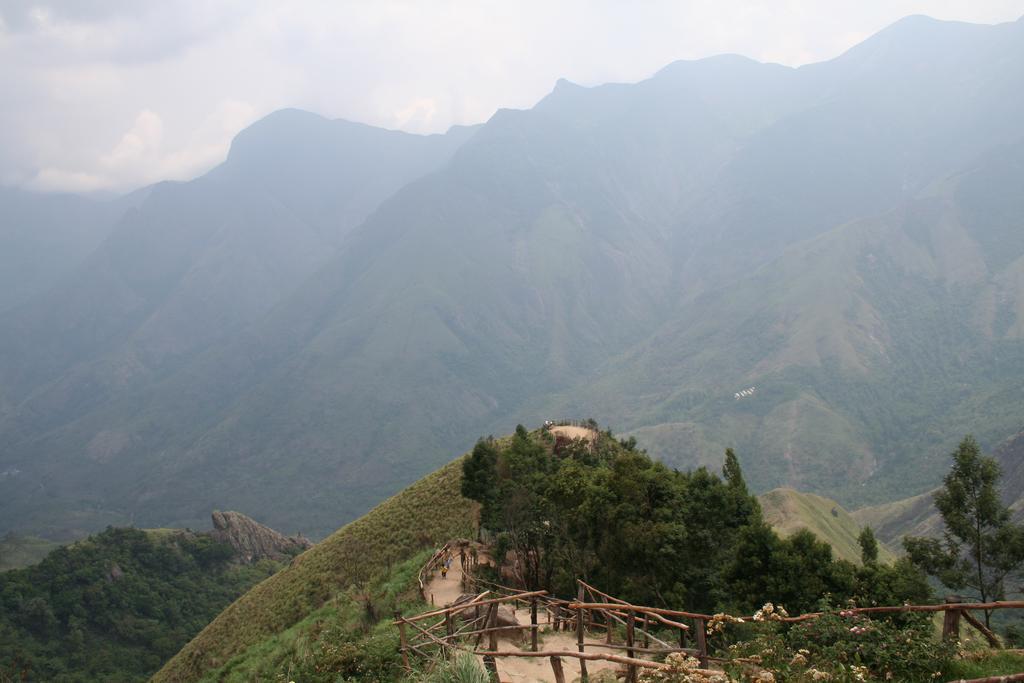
<point>116,605</point>
<point>605,512</point>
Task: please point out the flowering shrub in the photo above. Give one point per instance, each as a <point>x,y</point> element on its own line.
<point>682,669</point>
<point>841,646</point>
<point>770,613</point>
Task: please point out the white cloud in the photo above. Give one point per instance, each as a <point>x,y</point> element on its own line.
<point>141,143</point>
<point>140,156</point>
<point>119,93</point>
<point>58,180</point>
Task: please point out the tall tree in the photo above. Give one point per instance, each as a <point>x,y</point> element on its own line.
<point>868,546</point>
<point>980,547</point>
<point>479,480</point>
<point>745,506</point>
<point>731,471</point>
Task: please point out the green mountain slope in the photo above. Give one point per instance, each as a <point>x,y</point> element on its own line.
<point>873,347</point>
<point>188,268</point>
<point>427,513</point>
<point>44,238</point>
<point>788,511</point>
<point>844,237</point>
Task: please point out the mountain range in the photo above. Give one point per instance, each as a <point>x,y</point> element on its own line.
<point>336,308</point>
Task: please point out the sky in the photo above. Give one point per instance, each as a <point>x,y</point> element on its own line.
<point>111,95</point>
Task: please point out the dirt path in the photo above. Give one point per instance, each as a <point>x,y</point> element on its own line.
<point>444,591</point>
<point>574,432</point>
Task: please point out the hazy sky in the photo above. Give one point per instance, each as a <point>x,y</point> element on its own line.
<point>114,94</point>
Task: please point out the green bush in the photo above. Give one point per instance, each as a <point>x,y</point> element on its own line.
<point>460,669</point>
<point>843,647</point>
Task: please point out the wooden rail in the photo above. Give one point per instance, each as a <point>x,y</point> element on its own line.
<point>467,635</point>
<point>626,613</point>
<point>429,567</point>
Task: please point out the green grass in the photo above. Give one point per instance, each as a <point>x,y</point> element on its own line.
<point>461,669</point>
<point>788,511</point>
<point>992,663</point>
<point>916,516</point>
<point>269,628</point>
<point>341,639</point>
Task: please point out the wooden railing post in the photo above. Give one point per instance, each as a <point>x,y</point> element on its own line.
<point>631,668</point>
<point>702,642</point>
<point>609,625</point>
<point>580,628</point>
<point>647,638</point>
<point>682,638</point>
<point>533,624</point>
<point>404,649</point>
<point>492,623</point>
<point>492,641</point>
<point>951,620</point>
<point>556,667</point>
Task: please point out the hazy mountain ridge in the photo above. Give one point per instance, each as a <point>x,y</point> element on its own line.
<point>186,270</point>
<point>890,311</point>
<point>639,252</point>
<point>44,237</point>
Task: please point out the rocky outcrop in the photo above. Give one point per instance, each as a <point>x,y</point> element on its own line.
<point>253,541</point>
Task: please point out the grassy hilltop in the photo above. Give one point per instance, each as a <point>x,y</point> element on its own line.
<point>598,508</point>
<point>788,511</point>
<point>258,634</point>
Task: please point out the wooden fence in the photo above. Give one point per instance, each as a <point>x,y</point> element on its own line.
<point>429,567</point>
<point>463,626</point>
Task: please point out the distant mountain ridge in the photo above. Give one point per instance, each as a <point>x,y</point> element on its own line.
<point>844,236</point>
<point>45,237</point>
<point>186,269</point>
<point>917,515</point>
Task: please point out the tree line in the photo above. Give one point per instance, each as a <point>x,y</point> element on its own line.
<point>609,514</point>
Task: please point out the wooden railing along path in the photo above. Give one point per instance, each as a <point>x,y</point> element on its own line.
<point>463,626</point>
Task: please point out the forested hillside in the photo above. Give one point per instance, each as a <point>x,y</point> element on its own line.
<point>329,314</point>
<point>116,605</point>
